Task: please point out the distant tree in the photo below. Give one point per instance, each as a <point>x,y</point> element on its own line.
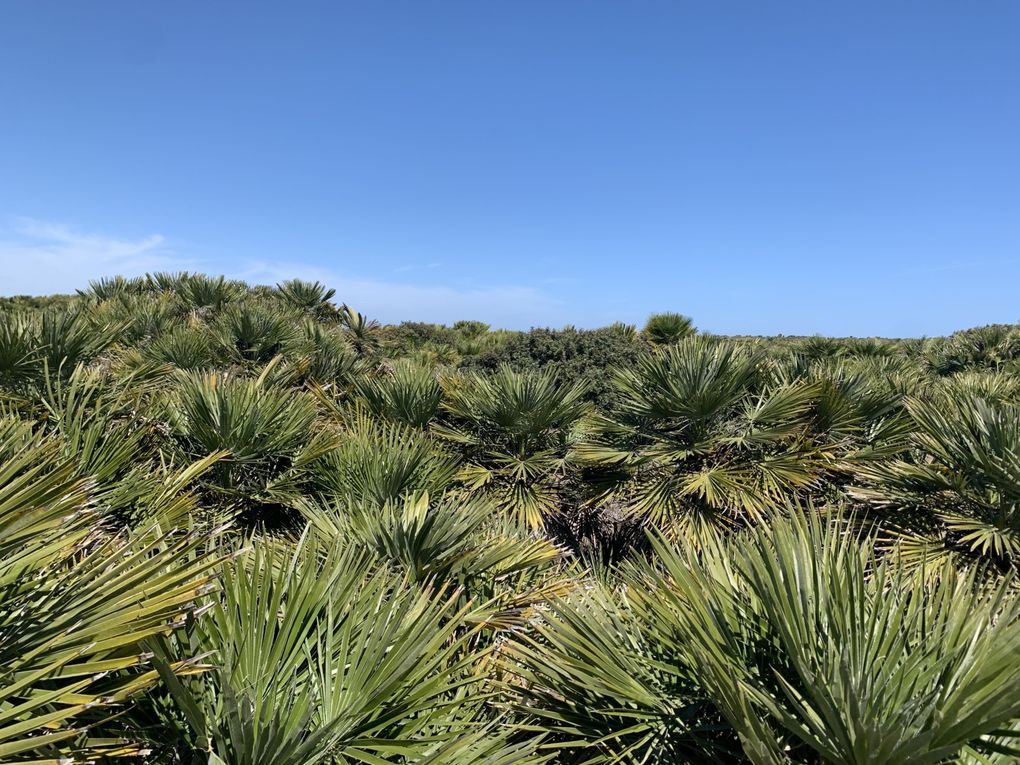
<point>575,356</point>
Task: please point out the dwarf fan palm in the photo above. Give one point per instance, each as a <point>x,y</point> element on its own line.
<point>184,347</point>
<point>203,293</point>
<point>857,413</point>
<point>516,430</point>
<point>406,393</point>
<point>608,689</point>
<point>251,333</point>
<point>110,287</point>
<point>325,356</point>
<point>266,431</point>
<point>376,462</point>
<point>322,657</point>
<point>996,386</point>
<point>100,431</point>
<point>813,649</point>
<point>981,347</point>
<point>308,297</point>
<point>20,349</point>
<point>58,340</point>
<point>72,337</point>
<point>956,490</point>
<point>166,281</point>
<point>362,331</point>
<point>143,315</point>
<point>76,604</point>
<point>700,438</point>
<point>502,573</point>
<point>668,328</point>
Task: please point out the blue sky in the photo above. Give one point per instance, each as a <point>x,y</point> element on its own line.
<point>765,167</point>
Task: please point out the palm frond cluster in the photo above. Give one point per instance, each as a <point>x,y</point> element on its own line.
<point>251,526</point>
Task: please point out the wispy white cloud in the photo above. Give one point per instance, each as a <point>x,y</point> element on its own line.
<point>40,257</point>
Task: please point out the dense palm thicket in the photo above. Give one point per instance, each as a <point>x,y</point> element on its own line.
<point>248,525</point>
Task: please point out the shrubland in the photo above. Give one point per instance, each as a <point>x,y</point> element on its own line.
<point>250,525</point>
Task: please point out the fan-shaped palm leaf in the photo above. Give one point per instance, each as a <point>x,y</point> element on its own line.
<point>76,603</point>
<point>325,658</point>
<point>516,431</point>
